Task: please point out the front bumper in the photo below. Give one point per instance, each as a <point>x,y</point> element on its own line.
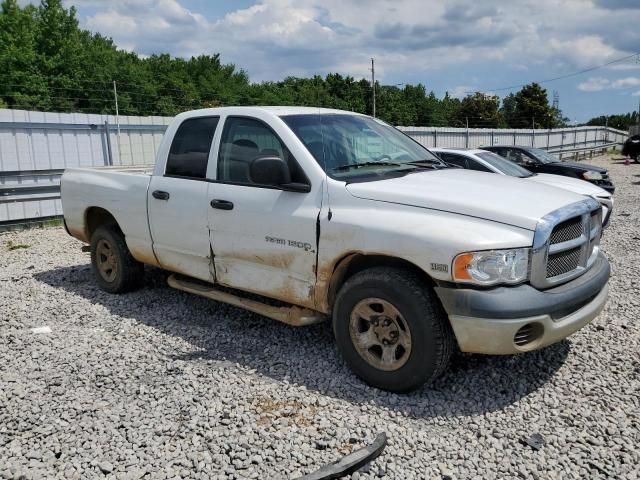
<point>508,320</point>
<point>605,185</point>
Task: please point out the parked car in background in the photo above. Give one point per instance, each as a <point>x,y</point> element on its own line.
<point>631,147</point>
<point>541,161</point>
<point>484,161</point>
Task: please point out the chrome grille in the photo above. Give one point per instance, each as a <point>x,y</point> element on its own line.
<point>567,230</point>
<point>563,262</point>
<point>566,243</point>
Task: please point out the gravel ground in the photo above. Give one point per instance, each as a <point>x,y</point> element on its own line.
<point>162,384</point>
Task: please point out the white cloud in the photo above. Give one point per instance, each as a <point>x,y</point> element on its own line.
<point>596,84</point>
<point>626,82</point>
<point>275,38</point>
<point>115,23</point>
<point>461,91</point>
<point>636,94</point>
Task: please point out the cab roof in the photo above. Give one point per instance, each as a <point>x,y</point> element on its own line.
<point>274,110</point>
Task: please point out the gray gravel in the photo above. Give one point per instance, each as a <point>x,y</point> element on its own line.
<point>162,384</point>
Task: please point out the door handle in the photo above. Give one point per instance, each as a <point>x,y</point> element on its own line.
<point>160,195</point>
<point>222,204</point>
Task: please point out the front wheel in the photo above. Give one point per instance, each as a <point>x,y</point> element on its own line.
<point>391,329</point>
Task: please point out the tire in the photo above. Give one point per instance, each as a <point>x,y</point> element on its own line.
<point>108,249</point>
<point>404,362</point>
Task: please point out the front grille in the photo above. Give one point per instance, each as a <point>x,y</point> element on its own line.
<point>567,230</point>
<point>565,243</point>
<point>563,262</point>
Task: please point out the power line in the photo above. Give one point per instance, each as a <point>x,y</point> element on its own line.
<point>561,77</point>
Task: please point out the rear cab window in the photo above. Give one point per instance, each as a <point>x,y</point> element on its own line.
<point>189,152</point>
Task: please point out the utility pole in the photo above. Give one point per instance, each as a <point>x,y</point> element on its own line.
<point>466,143</point>
<point>533,131</point>
<point>115,96</point>
<point>373,87</point>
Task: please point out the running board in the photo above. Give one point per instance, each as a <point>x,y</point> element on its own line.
<point>296,316</point>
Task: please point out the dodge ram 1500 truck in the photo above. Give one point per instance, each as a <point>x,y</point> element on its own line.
<point>304,214</point>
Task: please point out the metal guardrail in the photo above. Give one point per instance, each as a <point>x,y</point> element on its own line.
<point>20,192</point>
<point>586,149</point>
<point>50,191</point>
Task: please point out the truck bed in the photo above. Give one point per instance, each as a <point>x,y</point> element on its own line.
<point>120,192</point>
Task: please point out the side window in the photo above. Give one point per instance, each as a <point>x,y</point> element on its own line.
<point>475,165</point>
<point>527,159</point>
<point>454,159</point>
<point>514,155</point>
<point>244,140</point>
<point>190,148</point>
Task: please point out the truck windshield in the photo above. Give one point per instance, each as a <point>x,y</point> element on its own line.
<point>542,155</point>
<point>503,165</point>
<point>349,147</point>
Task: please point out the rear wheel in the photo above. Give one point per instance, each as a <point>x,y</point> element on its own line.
<point>391,329</point>
<point>114,267</point>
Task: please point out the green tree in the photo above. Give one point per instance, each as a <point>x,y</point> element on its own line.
<point>621,121</point>
<point>20,83</point>
<point>528,107</point>
<point>480,110</point>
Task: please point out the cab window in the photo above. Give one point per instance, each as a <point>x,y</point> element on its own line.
<point>243,141</point>
<point>189,152</point>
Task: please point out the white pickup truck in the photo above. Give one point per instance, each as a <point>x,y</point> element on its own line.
<point>304,214</point>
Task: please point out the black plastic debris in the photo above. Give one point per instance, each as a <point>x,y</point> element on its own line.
<point>535,441</point>
<point>349,463</point>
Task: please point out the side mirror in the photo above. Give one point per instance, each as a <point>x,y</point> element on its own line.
<point>274,171</point>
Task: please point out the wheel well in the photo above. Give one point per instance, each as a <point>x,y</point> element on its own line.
<point>355,263</point>
<point>97,217</point>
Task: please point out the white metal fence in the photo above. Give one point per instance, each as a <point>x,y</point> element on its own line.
<point>552,139</point>
<point>36,147</point>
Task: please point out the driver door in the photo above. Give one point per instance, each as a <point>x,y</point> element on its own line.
<point>263,238</point>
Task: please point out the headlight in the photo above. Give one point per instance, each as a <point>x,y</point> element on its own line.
<point>592,176</point>
<point>492,266</point>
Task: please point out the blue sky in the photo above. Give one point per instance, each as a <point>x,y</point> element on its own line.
<point>455,46</point>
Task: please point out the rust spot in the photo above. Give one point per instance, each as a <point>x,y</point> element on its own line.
<point>78,233</point>
<point>144,256</point>
<point>291,315</point>
<point>277,260</point>
<point>329,278</point>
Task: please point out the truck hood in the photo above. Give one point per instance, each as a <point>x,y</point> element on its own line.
<point>572,184</point>
<point>581,167</point>
<point>499,198</point>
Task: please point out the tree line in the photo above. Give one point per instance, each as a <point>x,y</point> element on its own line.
<point>48,63</point>
<point>621,122</point>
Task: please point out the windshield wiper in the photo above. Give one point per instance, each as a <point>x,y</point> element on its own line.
<point>349,166</point>
<point>428,162</point>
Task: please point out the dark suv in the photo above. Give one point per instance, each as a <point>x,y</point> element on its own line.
<point>541,161</point>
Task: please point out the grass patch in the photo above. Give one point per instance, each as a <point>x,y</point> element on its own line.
<point>16,246</point>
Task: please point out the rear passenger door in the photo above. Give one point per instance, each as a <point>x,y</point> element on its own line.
<point>263,238</point>
<point>177,201</point>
